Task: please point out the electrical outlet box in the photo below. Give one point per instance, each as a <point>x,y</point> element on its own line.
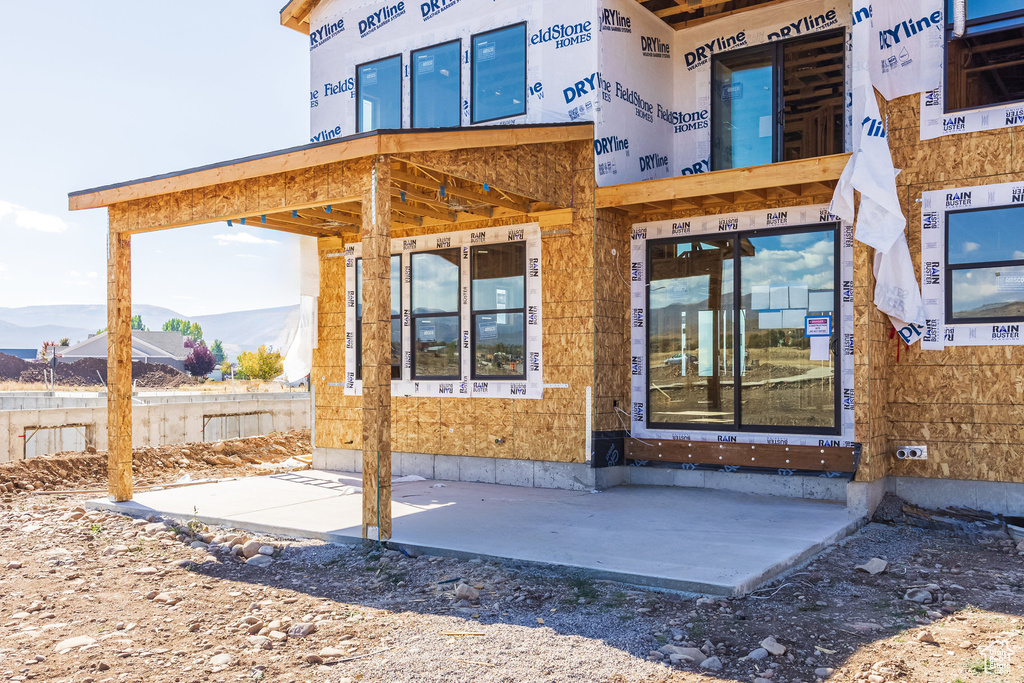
<point>912,452</point>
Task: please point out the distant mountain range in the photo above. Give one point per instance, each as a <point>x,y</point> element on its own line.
<point>30,326</point>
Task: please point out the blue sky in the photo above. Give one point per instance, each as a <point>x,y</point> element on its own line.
<point>106,91</point>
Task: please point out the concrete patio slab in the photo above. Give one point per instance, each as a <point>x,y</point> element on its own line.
<point>695,540</point>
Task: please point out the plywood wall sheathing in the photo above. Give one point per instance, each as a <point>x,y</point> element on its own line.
<point>119,367</point>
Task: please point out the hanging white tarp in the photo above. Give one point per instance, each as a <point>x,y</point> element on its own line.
<point>880,222</point>
<point>298,360</point>
<point>906,56</point>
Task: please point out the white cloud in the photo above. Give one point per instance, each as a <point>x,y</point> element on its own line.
<point>971,246</point>
<point>241,238</point>
<point>92,274</point>
<point>74,273</point>
<point>32,220</point>
<point>249,256</point>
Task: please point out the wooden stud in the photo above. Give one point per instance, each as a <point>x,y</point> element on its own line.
<point>119,367</point>
<point>376,239</point>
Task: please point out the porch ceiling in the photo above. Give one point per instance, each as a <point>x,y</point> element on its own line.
<point>785,180</point>
<point>678,14</point>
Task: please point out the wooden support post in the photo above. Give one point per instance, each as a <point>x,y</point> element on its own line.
<point>376,239</point>
<point>119,366</point>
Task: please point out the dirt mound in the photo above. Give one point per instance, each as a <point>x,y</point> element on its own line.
<point>74,470</point>
<point>91,372</point>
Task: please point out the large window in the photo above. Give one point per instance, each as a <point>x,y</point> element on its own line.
<point>435,314</point>
<point>395,317</point>
<point>437,86</point>
<point>499,308</point>
<point>379,94</point>
<point>985,265</point>
<point>726,342</point>
<point>984,66</point>
<point>778,102</point>
<point>499,73</point>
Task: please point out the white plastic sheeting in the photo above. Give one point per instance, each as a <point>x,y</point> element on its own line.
<point>880,220</point>
<point>907,56</point>
<point>298,360</point>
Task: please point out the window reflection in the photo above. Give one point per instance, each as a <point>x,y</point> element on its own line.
<point>436,86</point>
<point>379,94</point>
<point>499,73</point>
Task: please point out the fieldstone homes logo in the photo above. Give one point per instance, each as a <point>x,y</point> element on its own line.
<point>643,108</point>
<point>636,271</point>
<point>564,35</point>
<point>682,228</point>
<point>653,46</point>
<point>813,22</point>
<point>1014,116</point>
<point>614,20</point>
<point>931,272</point>
<point>954,124</point>
<point>684,121</point>
<point>638,317</point>
<point>890,37</point>
<point>636,365</point>
<point>726,224</point>
<point>1017,194</point>
<point>346,86</point>
<point>958,199</point>
<point>381,18</point>
<point>701,54</point>
<point>930,220</point>
<point>321,35</point>
<point>429,10</point>
<point>776,218</point>
<point>1003,332</point>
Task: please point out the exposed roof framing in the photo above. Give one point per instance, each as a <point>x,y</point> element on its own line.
<point>681,14</point>
<point>295,15</point>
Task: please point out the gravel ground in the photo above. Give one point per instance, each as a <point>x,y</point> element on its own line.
<point>89,596</point>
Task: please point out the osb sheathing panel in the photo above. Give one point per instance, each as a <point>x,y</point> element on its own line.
<point>472,426</point>
<point>965,403</point>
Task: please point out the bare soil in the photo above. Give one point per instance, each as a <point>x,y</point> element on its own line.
<point>89,372</point>
<point>170,600</point>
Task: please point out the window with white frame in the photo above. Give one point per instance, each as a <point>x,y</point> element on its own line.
<point>465,314</point>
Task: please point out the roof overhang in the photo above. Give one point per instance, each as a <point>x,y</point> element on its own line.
<point>341,149</point>
<point>295,15</point>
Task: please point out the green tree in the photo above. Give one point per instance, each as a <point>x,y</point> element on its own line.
<point>189,329</point>
<point>264,364</point>
<point>225,368</point>
<point>137,323</point>
<point>217,350</point>
<point>64,341</point>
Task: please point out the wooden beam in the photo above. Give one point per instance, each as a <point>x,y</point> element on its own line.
<point>119,366</point>
<point>769,176</point>
<point>376,340</point>
<point>690,6</point>
<point>341,149</point>
<point>483,198</point>
<point>687,23</point>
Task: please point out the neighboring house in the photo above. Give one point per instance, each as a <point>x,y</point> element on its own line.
<point>598,246</point>
<point>167,348</point>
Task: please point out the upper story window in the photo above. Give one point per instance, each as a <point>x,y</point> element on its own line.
<point>437,86</point>
<point>396,317</point>
<point>499,73</point>
<point>499,310</point>
<point>379,94</point>
<point>985,265</point>
<point>778,102</point>
<point>984,67</point>
<point>435,314</point>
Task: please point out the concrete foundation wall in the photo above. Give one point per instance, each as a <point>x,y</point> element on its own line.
<point>156,420</point>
